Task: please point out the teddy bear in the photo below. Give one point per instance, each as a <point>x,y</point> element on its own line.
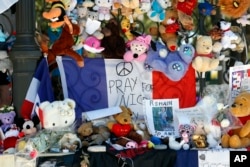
<point>228,35</point>
<point>204,59</point>
<point>63,30</point>
<point>113,43</point>
<point>138,48</point>
<point>158,10</point>
<point>70,141</point>
<point>103,7</point>
<point>122,126</point>
<point>239,137</point>
<point>7,117</point>
<point>58,114</point>
<point>92,134</point>
<point>233,9</point>
<point>168,29</point>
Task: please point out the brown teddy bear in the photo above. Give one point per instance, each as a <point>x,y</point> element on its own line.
<point>92,134</point>
<point>112,41</point>
<point>122,125</point>
<point>239,137</point>
<point>168,29</point>
<point>232,8</point>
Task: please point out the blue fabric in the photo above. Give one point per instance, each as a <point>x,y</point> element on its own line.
<point>87,85</point>
<point>187,158</point>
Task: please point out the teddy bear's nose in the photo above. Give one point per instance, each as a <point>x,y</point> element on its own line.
<point>125,120</point>
<point>233,105</point>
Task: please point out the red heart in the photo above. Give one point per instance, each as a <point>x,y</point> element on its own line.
<point>121,130</point>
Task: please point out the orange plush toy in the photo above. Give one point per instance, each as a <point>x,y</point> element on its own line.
<point>239,137</point>
<point>232,8</point>
<point>65,30</point>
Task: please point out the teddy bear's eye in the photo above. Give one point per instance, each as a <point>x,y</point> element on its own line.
<point>53,124</point>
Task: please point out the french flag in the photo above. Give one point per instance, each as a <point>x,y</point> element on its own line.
<point>104,83</point>
<point>40,90</point>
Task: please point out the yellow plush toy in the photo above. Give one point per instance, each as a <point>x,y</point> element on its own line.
<point>122,125</point>
<point>239,137</point>
<point>205,59</point>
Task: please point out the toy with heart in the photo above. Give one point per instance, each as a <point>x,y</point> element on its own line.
<point>57,114</point>
<point>232,8</point>
<point>65,30</point>
<point>122,125</point>
<point>138,49</point>
<point>173,64</point>
<point>239,137</point>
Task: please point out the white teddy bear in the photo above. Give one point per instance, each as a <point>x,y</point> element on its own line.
<point>228,35</point>
<point>57,114</point>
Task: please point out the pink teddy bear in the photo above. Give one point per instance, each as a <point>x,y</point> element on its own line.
<point>138,48</point>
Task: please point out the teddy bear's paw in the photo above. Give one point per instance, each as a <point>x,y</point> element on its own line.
<point>214,64</point>
<point>245,142</point>
<point>197,63</point>
<point>235,142</point>
<point>245,130</point>
<point>225,141</point>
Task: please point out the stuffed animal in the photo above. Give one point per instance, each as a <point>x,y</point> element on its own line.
<point>168,29</point>
<point>206,8</point>
<point>228,35</point>
<point>112,42</point>
<point>103,7</point>
<point>7,117</point>
<point>122,126</point>
<point>57,114</point>
<point>93,134</point>
<point>205,60</point>
<point>126,28</point>
<point>5,62</point>
<point>232,8</point>
<point>70,141</point>
<point>157,11</point>
<point>138,49</point>
<point>92,46</point>
<point>244,20</point>
<point>185,9</point>
<point>173,64</point>
<point>64,42</point>
<point>93,25</point>
<point>144,7</point>
<point>239,137</point>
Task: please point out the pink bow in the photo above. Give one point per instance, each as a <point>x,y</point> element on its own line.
<point>145,39</point>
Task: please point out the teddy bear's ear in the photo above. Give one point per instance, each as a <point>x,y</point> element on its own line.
<point>198,37</point>
<point>44,104</point>
<point>13,113</point>
<point>70,103</point>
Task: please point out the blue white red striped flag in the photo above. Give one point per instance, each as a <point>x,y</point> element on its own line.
<point>40,90</point>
